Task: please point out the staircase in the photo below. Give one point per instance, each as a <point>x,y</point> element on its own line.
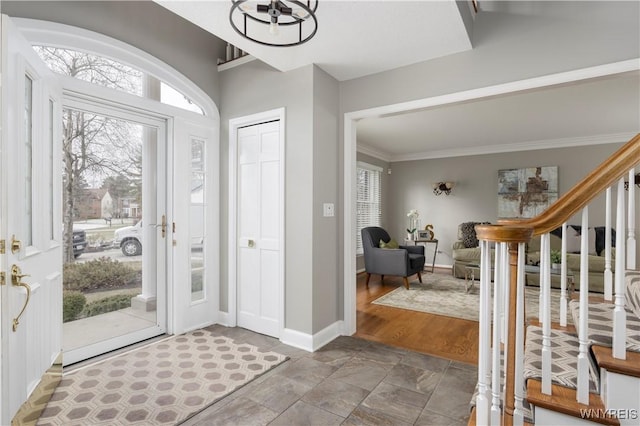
<point>555,373</point>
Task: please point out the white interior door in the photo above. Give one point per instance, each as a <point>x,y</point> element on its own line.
<point>259,225</point>
<point>30,221</point>
<point>195,223</point>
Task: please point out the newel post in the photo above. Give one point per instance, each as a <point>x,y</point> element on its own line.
<point>513,235</point>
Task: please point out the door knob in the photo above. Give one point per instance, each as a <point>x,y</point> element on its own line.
<point>251,243</point>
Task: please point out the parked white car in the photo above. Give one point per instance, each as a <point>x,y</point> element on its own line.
<point>129,239</point>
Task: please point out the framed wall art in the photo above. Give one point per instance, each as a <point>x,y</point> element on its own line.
<point>527,192</point>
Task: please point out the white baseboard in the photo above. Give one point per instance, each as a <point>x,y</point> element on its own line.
<point>312,343</point>
<point>223,319</point>
<point>443,266</point>
<point>327,334</point>
<point>427,268</point>
<point>297,339</point>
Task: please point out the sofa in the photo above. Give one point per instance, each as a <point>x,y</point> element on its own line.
<point>464,255</point>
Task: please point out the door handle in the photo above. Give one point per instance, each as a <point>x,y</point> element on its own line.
<point>251,243</point>
<point>163,226</point>
<point>16,280</point>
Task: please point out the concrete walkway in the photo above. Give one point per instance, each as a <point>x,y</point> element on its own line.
<point>86,331</point>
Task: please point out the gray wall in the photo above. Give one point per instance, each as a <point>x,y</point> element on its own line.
<point>474,197</point>
<point>510,47</point>
<point>327,297</point>
<point>384,192</point>
<point>255,87</point>
<point>143,24</point>
<point>311,97</point>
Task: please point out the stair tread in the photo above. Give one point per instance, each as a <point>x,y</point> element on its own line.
<point>564,358</point>
<point>570,328</point>
<point>563,400</point>
<point>601,325</point>
<point>629,366</point>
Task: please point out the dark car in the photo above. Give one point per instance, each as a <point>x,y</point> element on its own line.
<point>79,242</point>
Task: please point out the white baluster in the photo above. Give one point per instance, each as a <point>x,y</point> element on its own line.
<point>499,285</point>
<point>583,335</point>
<point>563,278</point>
<point>518,411</point>
<point>498,271</point>
<point>619,315</point>
<point>544,260</point>
<point>505,293</point>
<point>484,336</point>
<point>608,274</point>
<point>631,226</point>
<point>545,319</point>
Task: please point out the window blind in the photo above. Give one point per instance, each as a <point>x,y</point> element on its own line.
<point>368,204</point>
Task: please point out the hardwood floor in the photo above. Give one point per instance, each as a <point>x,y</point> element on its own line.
<point>446,337</point>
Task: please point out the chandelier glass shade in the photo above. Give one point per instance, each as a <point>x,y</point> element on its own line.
<point>279,23</point>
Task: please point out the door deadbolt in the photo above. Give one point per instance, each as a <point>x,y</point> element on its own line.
<point>16,245</point>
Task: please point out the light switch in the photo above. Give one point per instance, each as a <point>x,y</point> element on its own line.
<point>328,210</point>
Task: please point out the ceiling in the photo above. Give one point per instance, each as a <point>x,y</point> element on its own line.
<point>359,38</point>
<point>354,38</point>
<point>555,116</point>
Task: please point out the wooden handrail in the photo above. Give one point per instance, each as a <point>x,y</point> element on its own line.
<point>596,182</point>
<point>518,231</point>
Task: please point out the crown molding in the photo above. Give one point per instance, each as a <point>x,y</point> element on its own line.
<point>516,147</point>
<point>373,152</point>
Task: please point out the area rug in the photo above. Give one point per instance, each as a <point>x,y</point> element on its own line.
<point>445,295</point>
<point>162,383</point>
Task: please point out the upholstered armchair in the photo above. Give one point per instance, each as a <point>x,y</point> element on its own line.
<point>403,261</point>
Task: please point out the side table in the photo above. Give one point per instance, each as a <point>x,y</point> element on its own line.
<point>435,250</point>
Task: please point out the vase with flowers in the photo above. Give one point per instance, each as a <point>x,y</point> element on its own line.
<point>413,224</point>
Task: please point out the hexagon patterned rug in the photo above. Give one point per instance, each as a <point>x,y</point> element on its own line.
<point>162,383</point>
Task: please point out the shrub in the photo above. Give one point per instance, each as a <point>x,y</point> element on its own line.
<point>107,304</point>
<point>102,273</point>
<point>72,304</point>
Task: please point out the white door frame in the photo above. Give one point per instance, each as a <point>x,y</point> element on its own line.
<point>350,148</point>
<point>234,125</point>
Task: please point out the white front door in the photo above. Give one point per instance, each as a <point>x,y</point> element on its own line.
<point>194,227</point>
<point>259,228</point>
<point>30,221</point>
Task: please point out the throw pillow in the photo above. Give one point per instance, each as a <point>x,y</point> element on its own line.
<point>468,233</point>
<point>600,239</point>
<point>574,242</point>
<point>392,244</point>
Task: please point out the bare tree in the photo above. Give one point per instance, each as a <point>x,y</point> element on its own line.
<point>94,146</point>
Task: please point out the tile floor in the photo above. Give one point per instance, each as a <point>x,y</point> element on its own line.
<point>350,381</point>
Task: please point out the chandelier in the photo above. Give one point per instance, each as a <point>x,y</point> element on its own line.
<point>280,23</point>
